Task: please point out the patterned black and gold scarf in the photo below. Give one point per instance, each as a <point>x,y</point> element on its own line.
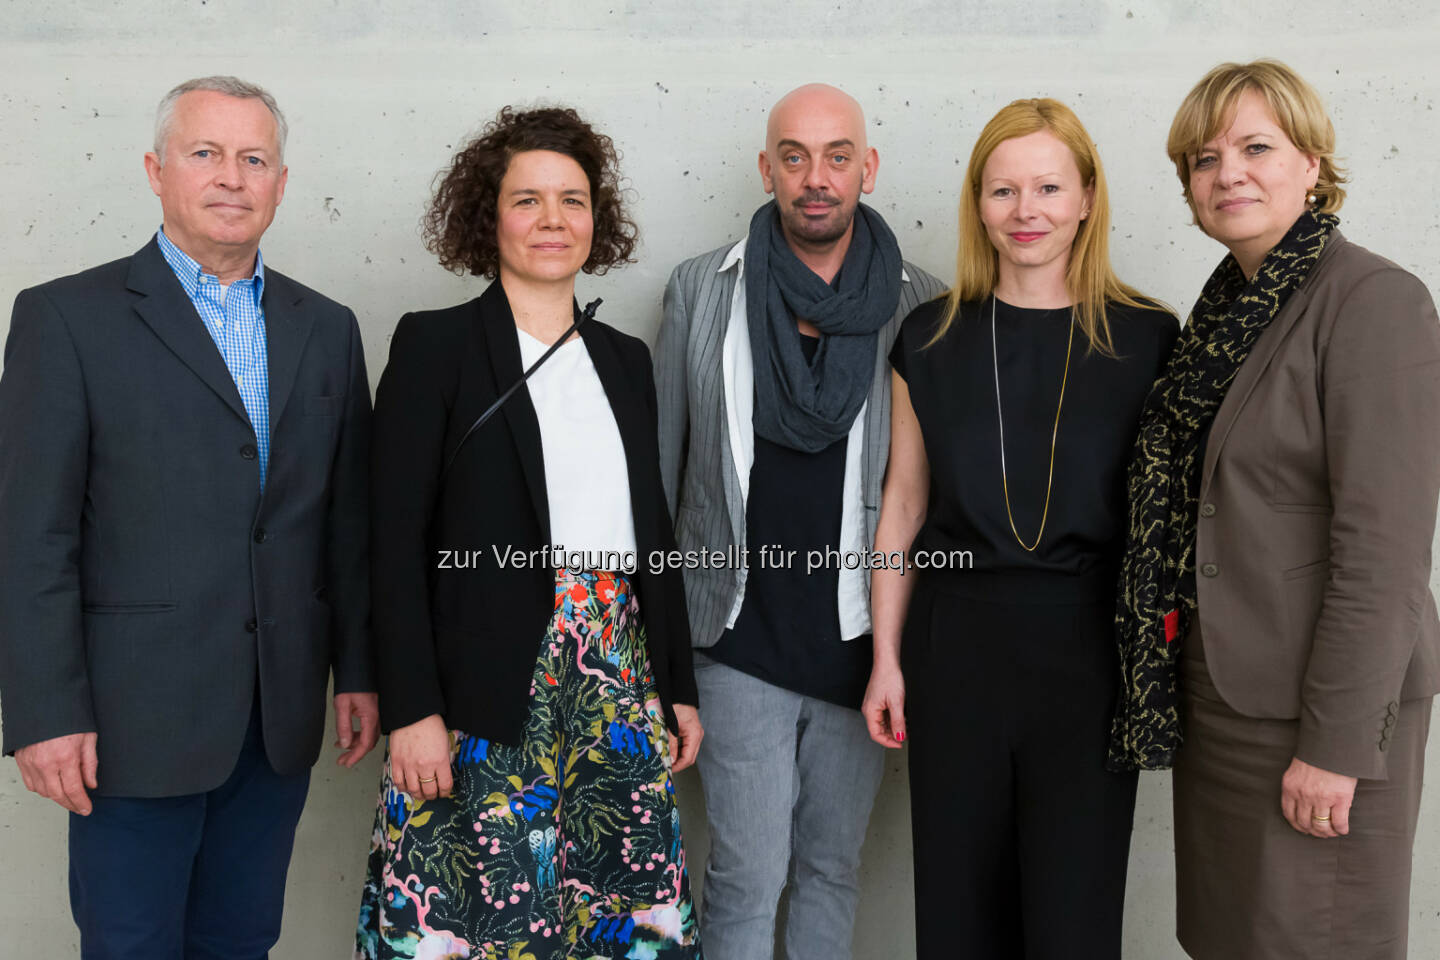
<point>1157,579</point>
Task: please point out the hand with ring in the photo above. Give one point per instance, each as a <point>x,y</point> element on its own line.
<point>420,758</point>
<point>1316,802</point>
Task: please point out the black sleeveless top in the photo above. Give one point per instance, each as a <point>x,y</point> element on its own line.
<point>952,388</point>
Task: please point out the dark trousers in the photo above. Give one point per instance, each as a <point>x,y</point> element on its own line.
<point>1021,836</point>
<point>198,877</point>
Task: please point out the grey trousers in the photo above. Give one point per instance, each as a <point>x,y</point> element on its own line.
<point>789,782</point>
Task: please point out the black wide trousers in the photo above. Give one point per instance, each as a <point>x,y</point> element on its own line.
<point>1021,836</point>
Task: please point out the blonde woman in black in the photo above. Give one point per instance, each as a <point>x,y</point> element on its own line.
<point>1015,405</point>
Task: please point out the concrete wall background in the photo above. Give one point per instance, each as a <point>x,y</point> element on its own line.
<point>379,95</point>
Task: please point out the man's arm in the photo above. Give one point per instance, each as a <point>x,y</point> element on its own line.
<point>44,439</point>
<point>671,387</point>
<point>347,559</point>
<point>348,569</point>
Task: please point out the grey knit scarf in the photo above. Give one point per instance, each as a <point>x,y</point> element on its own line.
<point>808,406</point>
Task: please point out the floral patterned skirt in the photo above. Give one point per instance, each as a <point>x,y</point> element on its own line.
<point>567,845</point>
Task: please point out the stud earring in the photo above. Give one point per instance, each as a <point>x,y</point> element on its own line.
<point>1310,199</point>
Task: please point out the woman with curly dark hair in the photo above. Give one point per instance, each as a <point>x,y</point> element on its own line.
<point>535,674</point>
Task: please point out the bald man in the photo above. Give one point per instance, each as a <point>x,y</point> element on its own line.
<point>774,394</point>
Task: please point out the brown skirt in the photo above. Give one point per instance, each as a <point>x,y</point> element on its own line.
<point>1248,885</point>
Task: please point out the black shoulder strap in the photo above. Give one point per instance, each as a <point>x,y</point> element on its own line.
<point>587,314</point>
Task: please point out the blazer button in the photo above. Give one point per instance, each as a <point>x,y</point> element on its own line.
<point>1210,569</point>
<point>249,452</point>
<point>1207,509</point>
<point>259,534</point>
<point>249,626</point>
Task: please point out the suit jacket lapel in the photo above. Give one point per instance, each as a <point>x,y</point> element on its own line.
<point>722,317</point>
<point>173,318</point>
<point>1255,365</point>
<point>287,327</point>
<point>502,345</point>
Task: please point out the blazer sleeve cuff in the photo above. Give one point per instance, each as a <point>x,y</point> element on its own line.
<point>21,731</point>
<point>1355,749</point>
<point>395,714</point>
<point>356,677</point>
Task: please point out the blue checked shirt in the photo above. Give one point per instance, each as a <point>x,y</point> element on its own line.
<point>236,322</point>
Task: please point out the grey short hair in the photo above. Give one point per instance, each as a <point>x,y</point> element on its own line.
<point>231,87</point>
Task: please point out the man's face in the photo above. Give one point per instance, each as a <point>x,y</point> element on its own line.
<point>221,179</point>
<point>817,164</point>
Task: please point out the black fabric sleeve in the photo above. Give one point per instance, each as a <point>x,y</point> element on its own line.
<point>44,442</point>
<point>407,446</point>
<point>348,535</point>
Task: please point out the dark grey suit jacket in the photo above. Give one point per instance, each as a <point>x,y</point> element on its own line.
<point>144,579</point>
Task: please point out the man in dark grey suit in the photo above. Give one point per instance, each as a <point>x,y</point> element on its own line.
<point>774,388</point>
<point>183,486</point>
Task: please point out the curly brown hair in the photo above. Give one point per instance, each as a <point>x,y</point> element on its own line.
<point>460,225</point>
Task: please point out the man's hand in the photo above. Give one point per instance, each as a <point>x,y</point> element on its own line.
<point>1308,792</point>
<point>61,769</point>
<point>349,707</point>
<point>884,705</point>
<point>684,752</point>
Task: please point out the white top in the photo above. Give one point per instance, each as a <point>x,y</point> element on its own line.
<point>585,472</point>
<point>738,375</point>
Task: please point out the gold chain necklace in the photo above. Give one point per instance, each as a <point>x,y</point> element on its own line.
<point>1004,477</point>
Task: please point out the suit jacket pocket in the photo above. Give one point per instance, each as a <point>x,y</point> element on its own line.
<point>1314,568</point>
<point>140,607</point>
<point>1303,592</point>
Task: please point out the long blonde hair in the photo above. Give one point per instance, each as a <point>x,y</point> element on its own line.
<point>1089,279</point>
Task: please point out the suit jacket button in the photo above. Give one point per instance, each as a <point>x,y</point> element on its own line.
<point>249,626</point>
<point>1210,569</point>
<point>259,534</point>
<point>1207,509</point>
<point>249,452</point>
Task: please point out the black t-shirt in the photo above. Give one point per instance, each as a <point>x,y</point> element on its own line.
<point>952,388</point>
<point>788,630</point>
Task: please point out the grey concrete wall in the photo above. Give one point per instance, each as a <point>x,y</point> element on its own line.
<point>379,94</point>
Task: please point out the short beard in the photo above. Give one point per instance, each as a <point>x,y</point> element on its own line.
<point>818,234</point>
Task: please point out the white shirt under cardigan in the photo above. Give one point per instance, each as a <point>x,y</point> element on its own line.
<point>738,374</point>
<point>586,480</point>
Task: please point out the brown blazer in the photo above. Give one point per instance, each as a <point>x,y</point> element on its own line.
<point>1317,513</point>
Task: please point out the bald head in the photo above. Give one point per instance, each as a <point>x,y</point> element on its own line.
<point>817,164</point>
<point>816,106</point>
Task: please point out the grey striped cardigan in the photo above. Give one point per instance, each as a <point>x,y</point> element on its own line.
<point>696,465</point>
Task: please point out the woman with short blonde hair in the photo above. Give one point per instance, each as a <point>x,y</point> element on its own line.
<point>1275,611</point>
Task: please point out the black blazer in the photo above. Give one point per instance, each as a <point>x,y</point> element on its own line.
<point>144,578</point>
<point>463,642</point>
